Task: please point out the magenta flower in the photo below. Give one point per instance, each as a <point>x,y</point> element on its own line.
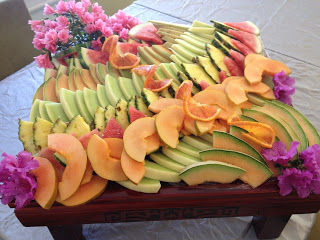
<point>107,31</point>
<point>48,10</point>
<point>99,24</point>
<point>15,180</point>
<point>279,154</point>
<point>43,61</point>
<point>62,23</point>
<point>293,178</point>
<point>38,41</point>
<point>50,25</point>
<point>283,87</point>
<point>64,35</point>
<point>79,9</point>
<point>311,159</point>
<point>36,25</point>
<point>51,40</point>
<point>87,18</point>
<point>90,28</point>
<point>86,4</point>
<point>96,8</point>
<point>124,34</point>
<point>117,27</point>
<point>62,7</point>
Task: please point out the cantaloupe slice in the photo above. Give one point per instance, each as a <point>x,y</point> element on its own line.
<point>134,137</point>
<point>168,125</point>
<point>80,84</point>
<point>162,103</point>
<point>62,82</point>
<point>86,192</point>
<point>204,127</point>
<point>87,174</point>
<point>115,146</point>
<point>153,143</point>
<point>105,166</point>
<point>47,181</point>
<point>251,57</point>
<point>71,149</point>
<point>134,170</point>
<point>253,71</point>
<point>71,83</point>
<point>88,79</point>
<point>49,90</point>
<point>268,95</point>
<point>189,125</point>
<point>236,93</point>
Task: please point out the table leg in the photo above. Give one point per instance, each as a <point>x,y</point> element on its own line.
<point>269,227</point>
<point>72,232</point>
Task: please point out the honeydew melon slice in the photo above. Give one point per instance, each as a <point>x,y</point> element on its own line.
<point>211,171</point>
<point>113,90</point>
<point>55,111</point>
<point>167,162</point>
<point>138,83</point>
<point>178,156</point>
<point>91,100</point>
<point>188,149</point>
<point>102,96</point>
<point>196,142</point>
<point>158,172</point>
<point>127,87</point>
<point>146,185</point>
<point>101,71</point>
<point>68,103</point>
<point>256,172</point>
<point>39,93</point>
<point>43,110</point>
<point>82,106</point>
<point>34,112</point>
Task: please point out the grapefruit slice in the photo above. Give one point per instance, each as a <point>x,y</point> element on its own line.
<point>124,61</point>
<point>143,69</point>
<point>110,44</point>
<point>184,89</point>
<point>157,85</point>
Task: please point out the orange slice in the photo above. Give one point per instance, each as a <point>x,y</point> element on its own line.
<point>184,89</point>
<point>124,61</point>
<point>197,111</point>
<point>260,133</point>
<point>110,44</point>
<point>142,69</point>
<point>233,118</point>
<point>157,85</point>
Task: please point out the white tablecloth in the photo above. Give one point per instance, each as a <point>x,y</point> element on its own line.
<point>290,32</point>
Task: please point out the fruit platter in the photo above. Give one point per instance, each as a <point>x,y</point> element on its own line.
<point>157,121</point>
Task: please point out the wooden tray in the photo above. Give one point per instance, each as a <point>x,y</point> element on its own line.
<point>178,201</point>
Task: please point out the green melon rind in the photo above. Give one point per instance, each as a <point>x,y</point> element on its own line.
<point>158,172</point>
<point>235,144</point>
<point>68,103</point>
<point>166,162</point>
<point>207,137</point>
<point>197,142</point>
<point>146,185</point>
<point>178,156</point>
<point>188,149</point>
<point>211,171</point>
<point>256,172</point>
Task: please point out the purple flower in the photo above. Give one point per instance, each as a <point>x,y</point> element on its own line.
<point>311,159</point>
<point>15,180</point>
<point>283,87</point>
<point>279,154</point>
<point>293,178</point>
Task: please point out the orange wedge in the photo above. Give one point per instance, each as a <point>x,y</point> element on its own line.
<point>124,61</point>
<point>184,89</point>
<point>142,69</point>
<point>260,133</point>
<point>157,85</point>
<point>110,44</point>
<point>233,118</point>
<point>197,111</point>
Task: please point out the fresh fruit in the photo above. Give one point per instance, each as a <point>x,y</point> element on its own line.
<point>253,71</point>
<point>146,32</point>
<point>157,85</point>
<point>84,140</point>
<point>123,48</point>
<point>77,126</point>
<point>105,166</point>
<point>113,129</point>
<point>110,44</point>
<point>168,131</point>
<point>238,57</point>
<point>26,136</point>
<point>233,67</point>
<point>184,89</point>
<point>250,40</point>
<point>163,103</point>
<point>245,26</point>
<point>210,171</point>
<point>134,170</point>
<point>244,49</point>
<point>49,90</point>
<point>71,149</point>
<point>166,162</point>
<point>146,185</point>
<point>179,156</point>
<point>124,61</point>
<point>68,103</point>
<point>47,183</point>
<point>144,69</point>
<point>39,93</point>
<point>89,56</point>
<point>115,146</point>
<point>134,137</point>
<point>197,142</point>
<point>158,172</point>
<point>86,192</point>
<point>256,172</point>
<point>135,114</point>
<point>41,130</point>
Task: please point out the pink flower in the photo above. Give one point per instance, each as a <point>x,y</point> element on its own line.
<point>43,61</point>
<point>88,18</point>
<point>62,23</point>
<point>96,8</point>
<point>50,40</point>
<point>37,26</point>
<point>86,4</point>
<point>90,28</point>
<point>124,34</point>
<point>63,35</point>
<point>106,31</point>
<point>96,44</point>
<point>133,21</point>
<point>79,9</point>
<point>62,7</point>
<point>120,14</point>
<point>103,17</point>
<point>50,24</point>
<point>38,40</point>
<point>48,10</point>
<point>71,5</point>
<point>99,24</point>
<point>117,27</point>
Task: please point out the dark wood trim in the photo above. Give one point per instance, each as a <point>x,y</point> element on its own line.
<point>71,232</point>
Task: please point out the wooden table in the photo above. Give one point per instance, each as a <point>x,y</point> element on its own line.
<point>175,201</point>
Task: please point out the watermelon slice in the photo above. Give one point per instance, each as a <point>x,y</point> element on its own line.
<point>233,67</point>
<point>242,47</point>
<point>113,130</point>
<point>123,48</point>
<point>145,32</point>
<point>245,26</point>
<point>204,84</point>
<point>249,39</point>
<point>135,114</point>
<point>85,138</point>
<point>238,57</point>
<point>89,56</point>
<point>222,76</point>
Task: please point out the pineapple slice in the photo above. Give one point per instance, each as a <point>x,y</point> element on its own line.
<point>41,130</point>
<point>77,126</point>
<point>58,127</point>
<point>99,119</point>
<point>26,136</point>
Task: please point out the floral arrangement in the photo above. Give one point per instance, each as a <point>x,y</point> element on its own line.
<point>283,87</point>
<point>76,23</point>
<point>16,181</point>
